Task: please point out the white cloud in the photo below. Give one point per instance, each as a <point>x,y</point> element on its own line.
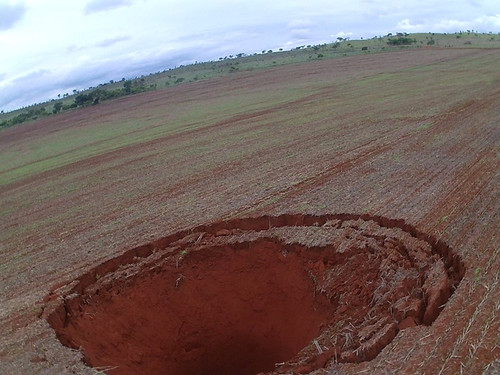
<point>406,25</point>
<point>300,30</point>
<point>342,34</point>
<point>300,34</point>
<point>447,25</point>
<point>111,41</point>
<point>103,5</point>
<point>10,14</point>
<point>299,23</point>
<point>489,22</point>
<point>482,23</point>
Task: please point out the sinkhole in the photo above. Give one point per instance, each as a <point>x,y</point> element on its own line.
<point>257,295</point>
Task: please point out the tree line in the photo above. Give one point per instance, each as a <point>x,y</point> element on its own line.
<point>85,99</point>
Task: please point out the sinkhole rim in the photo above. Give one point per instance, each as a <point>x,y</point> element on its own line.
<point>57,301</point>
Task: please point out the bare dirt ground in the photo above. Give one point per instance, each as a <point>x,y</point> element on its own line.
<point>410,135</point>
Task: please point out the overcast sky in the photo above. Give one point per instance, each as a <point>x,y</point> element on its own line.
<point>50,47</point>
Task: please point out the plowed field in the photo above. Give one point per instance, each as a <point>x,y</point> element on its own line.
<point>339,216</point>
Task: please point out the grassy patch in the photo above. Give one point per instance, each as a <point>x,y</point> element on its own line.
<point>228,65</point>
<point>424,126</point>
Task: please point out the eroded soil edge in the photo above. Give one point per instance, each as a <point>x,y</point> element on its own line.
<point>277,294</point>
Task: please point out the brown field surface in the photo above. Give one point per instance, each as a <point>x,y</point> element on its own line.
<point>407,142</point>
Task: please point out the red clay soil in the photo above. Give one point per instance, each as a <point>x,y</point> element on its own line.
<point>285,294</point>
<point>410,134</point>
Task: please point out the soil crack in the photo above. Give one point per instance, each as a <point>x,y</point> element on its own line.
<point>257,295</point>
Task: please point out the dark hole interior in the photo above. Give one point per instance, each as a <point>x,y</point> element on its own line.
<point>229,312</point>
<point>238,301</point>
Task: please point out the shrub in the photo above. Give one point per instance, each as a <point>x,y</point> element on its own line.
<point>57,107</point>
<point>65,107</point>
<point>83,100</point>
<point>401,40</point>
<point>127,86</point>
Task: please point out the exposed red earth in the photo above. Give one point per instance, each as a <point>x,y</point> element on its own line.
<point>234,188</point>
<point>243,297</point>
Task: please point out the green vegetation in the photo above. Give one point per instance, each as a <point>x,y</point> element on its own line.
<point>231,64</point>
<point>57,107</point>
<point>375,96</point>
<point>424,126</point>
<point>33,113</point>
<point>93,97</point>
<point>84,99</point>
<point>477,274</point>
<point>401,40</point>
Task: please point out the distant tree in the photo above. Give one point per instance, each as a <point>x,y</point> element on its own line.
<point>141,84</point>
<point>83,100</point>
<point>127,85</point>
<point>57,107</point>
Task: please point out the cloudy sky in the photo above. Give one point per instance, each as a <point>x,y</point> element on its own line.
<point>50,47</point>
